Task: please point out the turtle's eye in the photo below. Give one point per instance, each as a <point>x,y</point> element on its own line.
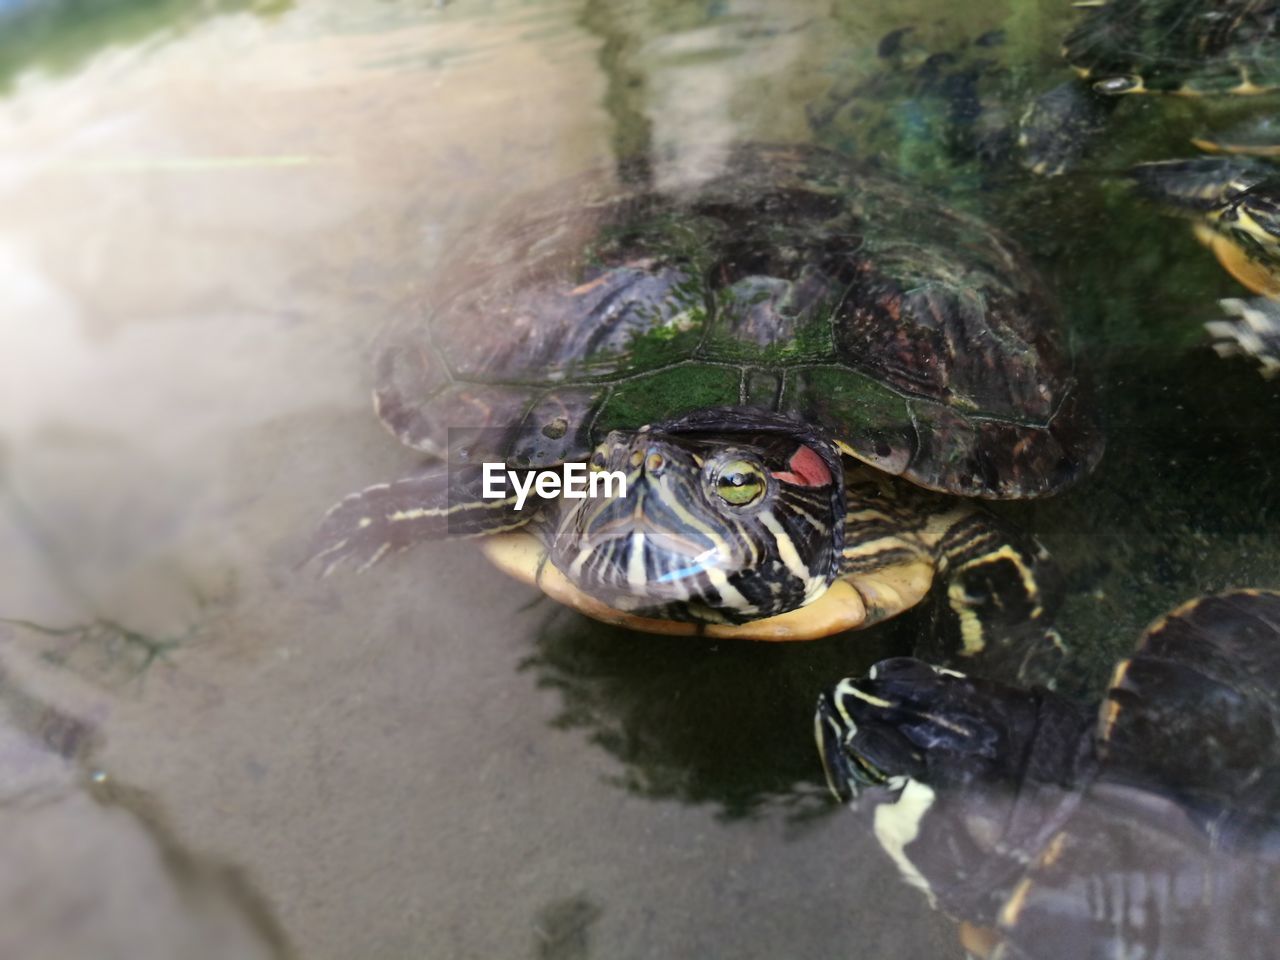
<point>598,460</point>
<point>739,483</point>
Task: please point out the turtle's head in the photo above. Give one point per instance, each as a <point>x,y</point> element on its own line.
<point>908,720</point>
<point>713,528</point>
<point>961,778</point>
<point>1055,129</point>
<point>1252,216</point>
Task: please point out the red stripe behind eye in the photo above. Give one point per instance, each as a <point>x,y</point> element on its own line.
<point>807,469</point>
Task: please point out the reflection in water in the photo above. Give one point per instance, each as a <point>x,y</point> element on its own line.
<point>626,96</point>
<point>685,82</point>
<point>87,866</point>
<point>99,648</point>
<point>724,723</point>
<point>59,34</point>
<point>1144,826</point>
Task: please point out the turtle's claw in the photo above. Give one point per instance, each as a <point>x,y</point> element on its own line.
<point>1254,333</point>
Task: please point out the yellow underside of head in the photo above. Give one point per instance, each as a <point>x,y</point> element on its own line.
<point>1258,277</point>
<point>848,604</point>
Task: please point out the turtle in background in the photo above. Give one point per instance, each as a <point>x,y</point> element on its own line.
<point>959,107</point>
<point>1232,197</point>
<point>943,117</point>
<point>1213,51</point>
<point>799,366</point>
<point>1186,48</point>
<point>1145,826</point>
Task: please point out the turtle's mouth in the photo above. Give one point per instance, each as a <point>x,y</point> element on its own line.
<point>848,771</point>
<point>658,550</point>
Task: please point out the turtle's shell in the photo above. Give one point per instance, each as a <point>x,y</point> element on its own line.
<point>1195,712</point>
<point>1148,827</point>
<point>1185,801</point>
<point>786,279</point>
<point>1183,46</point>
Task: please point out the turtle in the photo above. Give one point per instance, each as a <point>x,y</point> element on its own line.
<point>1198,49</point>
<point>940,116</point>
<point>1233,200</point>
<point>804,371</point>
<point>1188,48</point>
<point>1147,825</point>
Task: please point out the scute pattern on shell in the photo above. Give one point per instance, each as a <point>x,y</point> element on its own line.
<point>788,279</point>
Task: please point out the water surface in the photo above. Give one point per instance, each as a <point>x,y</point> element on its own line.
<point>210,210</point>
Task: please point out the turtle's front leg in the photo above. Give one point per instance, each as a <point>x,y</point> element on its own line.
<point>997,593</point>
<point>995,589</point>
<point>390,517</point>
